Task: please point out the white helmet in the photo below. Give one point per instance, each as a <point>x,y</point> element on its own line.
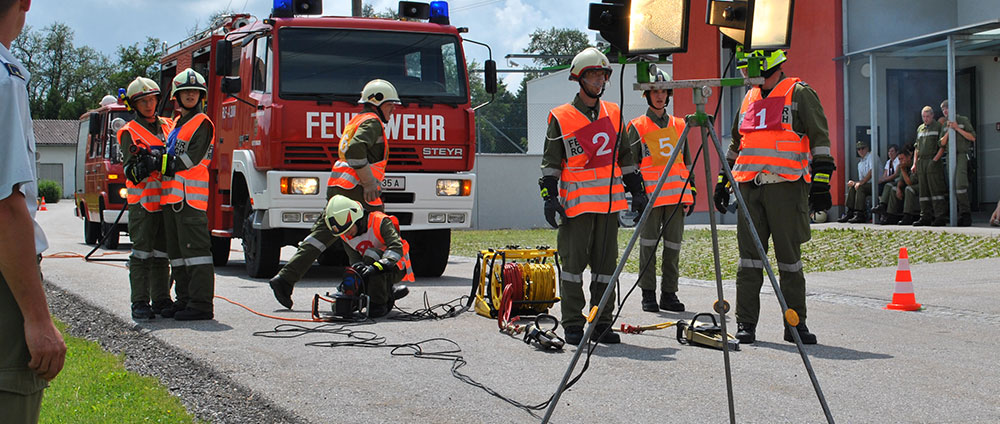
<point>379,91</point>
<point>141,87</point>
<point>589,58</point>
<point>342,213</point>
<point>188,79</point>
<point>108,100</point>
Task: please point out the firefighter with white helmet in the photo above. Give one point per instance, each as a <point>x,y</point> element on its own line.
<point>185,199</point>
<point>651,139</point>
<point>141,143</point>
<point>582,182</point>
<point>357,174</point>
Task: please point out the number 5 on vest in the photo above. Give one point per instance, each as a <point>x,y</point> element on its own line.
<point>661,144</point>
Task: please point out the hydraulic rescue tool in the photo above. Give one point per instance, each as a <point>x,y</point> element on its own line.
<point>350,302</point>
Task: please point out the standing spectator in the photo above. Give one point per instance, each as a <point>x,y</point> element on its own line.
<point>930,171</point>
<point>31,349</point>
<point>780,187</point>
<point>967,132</point>
<point>858,191</point>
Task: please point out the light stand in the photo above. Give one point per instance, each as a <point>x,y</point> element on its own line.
<point>702,90</point>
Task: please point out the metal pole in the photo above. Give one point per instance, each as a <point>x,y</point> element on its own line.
<point>356,7</point>
<point>952,144</point>
<point>611,283</point>
<point>873,99</point>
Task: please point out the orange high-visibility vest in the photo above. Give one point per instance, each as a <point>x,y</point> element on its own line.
<point>147,191</point>
<point>190,184</point>
<point>583,190</point>
<point>769,144</point>
<point>343,175</point>
<point>372,238</point>
<point>670,194</point>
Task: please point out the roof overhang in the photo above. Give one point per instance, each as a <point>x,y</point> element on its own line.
<point>982,39</point>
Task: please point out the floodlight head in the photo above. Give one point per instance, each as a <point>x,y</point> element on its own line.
<point>642,26</point>
<point>756,24</point>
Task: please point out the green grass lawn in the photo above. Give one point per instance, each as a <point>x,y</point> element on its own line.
<point>829,250</point>
<point>94,387</point>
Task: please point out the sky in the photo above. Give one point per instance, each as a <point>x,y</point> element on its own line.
<point>105,24</point>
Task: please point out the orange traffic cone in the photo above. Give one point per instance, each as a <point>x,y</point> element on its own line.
<point>902,297</point>
<point>42,206</point>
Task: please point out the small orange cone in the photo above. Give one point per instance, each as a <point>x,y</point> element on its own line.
<point>902,297</point>
<point>42,206</point>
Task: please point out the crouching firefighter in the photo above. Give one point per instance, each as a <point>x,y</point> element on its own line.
<point>582,181</point>
<point>141,146</point>
<point>185,199</point>
<point>373,245</point>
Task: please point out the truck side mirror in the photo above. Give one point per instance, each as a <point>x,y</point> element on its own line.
<point>491,76</point>
<point>231,85</point>
<point>223,57</point>
<point>95,123</point>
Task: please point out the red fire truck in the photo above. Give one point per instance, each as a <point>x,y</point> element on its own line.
<point>281,91</point>
<point>100,182</point>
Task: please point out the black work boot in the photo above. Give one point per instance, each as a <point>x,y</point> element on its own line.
<point>847,216</point>
<point>378,311</point>
<point>965,220</point>
<point>940,222</point>
<point>397,292</point>
<point>282,291</point>
<point>879,209</point>
<point>142,311</point>
<point>670,302</point>
<point>604,334</point>
<point>160,306</point>
<point>573,335</point>
<point>923,221</point>
<point>169,311</point>
<point>649,301</point>
<point>908,219</point>
<point>859,218</point>
<point>804,334</point>
<point>890,219</point>
<point>190,314</point>
<point>747,333</point>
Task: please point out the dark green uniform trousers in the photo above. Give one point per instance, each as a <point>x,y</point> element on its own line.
<point>666,222</point>
<point>320,238</point>
<point>586,239</point>
<point>962,183</point>
<point>780,212</point>
<point>190,250</point>
<point>20,388</point>
<point>148,269</point>
<point>933,189</point>
<point>379,286</point>
<point>887,197</point>
<point>856,201</point>
<point>911,199</point>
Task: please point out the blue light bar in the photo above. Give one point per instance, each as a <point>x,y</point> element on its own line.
<point>439,12</point>
<point>282,9</point>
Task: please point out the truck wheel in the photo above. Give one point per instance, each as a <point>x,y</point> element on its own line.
<point>220,250</point>
<point>261,249</point>
<point>91,230</point>
<point>111,239</point>
<point>429,251</point>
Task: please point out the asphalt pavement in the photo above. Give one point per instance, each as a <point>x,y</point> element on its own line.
<point>872,364</point>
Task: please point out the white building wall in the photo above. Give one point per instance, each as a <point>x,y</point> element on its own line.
<point>66,155</point>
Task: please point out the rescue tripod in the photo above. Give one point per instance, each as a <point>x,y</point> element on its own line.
<point>702,90</point>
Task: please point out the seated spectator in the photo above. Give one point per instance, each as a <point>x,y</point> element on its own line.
<point>995,219</point>
<point>894,193</point>
<point>887,182</point>
<point>907,188</point>
<point>857,203</point>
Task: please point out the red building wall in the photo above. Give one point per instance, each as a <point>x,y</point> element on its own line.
<point>816,41</point>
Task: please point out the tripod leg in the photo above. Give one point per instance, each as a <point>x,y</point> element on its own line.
<point>718,275</point>
<point>770,272</point>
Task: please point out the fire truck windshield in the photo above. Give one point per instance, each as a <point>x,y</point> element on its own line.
<point>336,63</point>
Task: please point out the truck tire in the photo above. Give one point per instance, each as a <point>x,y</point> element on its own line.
<point>91,230</point>
<point>220,250</point>
<point>261,249</point>
<point>429,251</point>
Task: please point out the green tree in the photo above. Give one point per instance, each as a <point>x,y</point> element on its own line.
<point>368,11</point>
<point>554,42</point>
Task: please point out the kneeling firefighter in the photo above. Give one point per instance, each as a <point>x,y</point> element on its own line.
<point>185,199</point>
<point>373,246</point>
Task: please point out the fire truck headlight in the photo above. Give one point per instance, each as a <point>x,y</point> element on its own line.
<point>123,193</point>
<point>299,185</point>
<point>454,187</point>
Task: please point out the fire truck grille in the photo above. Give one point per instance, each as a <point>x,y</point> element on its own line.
<point>405,218</point>
<point>311,155</point>
<point>404,156</point>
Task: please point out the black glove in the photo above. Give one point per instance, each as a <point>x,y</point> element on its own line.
<point>722,193</point>
<point>694,200</point>
<point>549,190</point>
<point>139,170</point>
<point>819,191</point>
<point>375,268</point>
<point>635,185</point>
<point>170,165</point>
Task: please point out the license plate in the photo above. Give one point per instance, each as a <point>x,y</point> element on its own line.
<point>394,183</point>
